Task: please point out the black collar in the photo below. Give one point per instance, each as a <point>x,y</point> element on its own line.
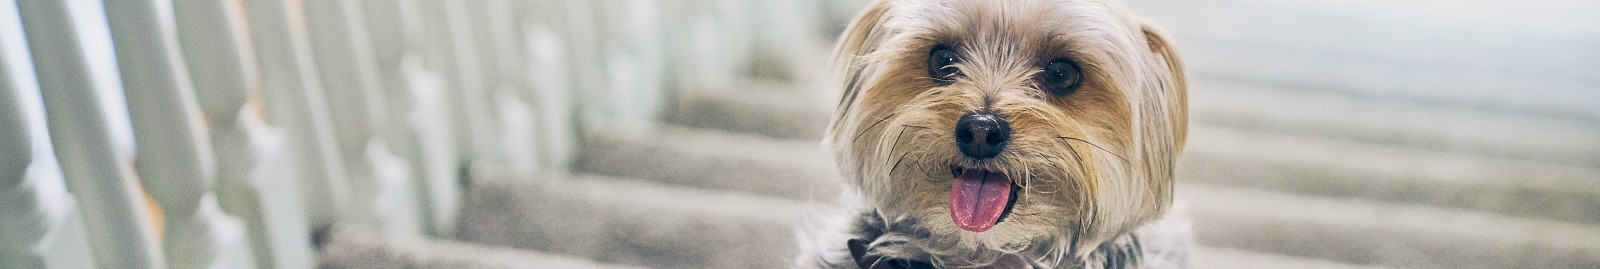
<point>858,251</point>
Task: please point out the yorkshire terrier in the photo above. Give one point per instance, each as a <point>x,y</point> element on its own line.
<point>1005,134</point>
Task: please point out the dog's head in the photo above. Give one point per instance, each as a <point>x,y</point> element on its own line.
<point>1002,126</point>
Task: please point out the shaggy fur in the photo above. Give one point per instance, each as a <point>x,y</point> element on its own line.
<point>1093,166</point>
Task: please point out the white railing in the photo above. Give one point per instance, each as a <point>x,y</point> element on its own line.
<point>40,225</point>
<point>222,133</point>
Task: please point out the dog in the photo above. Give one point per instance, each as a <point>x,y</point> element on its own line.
<point>1004,134</point>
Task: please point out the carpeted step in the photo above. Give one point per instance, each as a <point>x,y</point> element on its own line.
<point>1228,258</point>
<point>635,222</point>
<point>1363,231</point>
<point>365,250</point>
<point>1342,168</point>
<point>769,108</point>
<point>715,159</point>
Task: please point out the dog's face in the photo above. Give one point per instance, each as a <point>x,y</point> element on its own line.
<point>1009,125</point>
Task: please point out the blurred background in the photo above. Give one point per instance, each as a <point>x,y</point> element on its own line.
<point>684,133</point>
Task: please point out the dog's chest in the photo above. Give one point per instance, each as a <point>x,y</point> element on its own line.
<point>878,245</point>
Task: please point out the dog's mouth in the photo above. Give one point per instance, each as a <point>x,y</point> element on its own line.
<point>980,198</point>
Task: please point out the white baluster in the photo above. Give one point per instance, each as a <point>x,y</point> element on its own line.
<point>676,16</point>
<point>346,61</point>
<point>295,101</point>
<point>398,161</point>
<point>554,80</point>
<point>42,227</point>
<point>721,44</point>
<point>552,95</point>
<point>345,82</point>
<point>634,60</point>
<point>504,39</point>
<point>472,81</point>
<point>709,67</point>
<point>736,24</point>
<point>88,123</point>
<point>438,128</point>
<point>517,150</point>
<point>216,47</point>
<point>175,161</point>
<point>394,196</point>
<point>430,120</point>
<point>581,27</point>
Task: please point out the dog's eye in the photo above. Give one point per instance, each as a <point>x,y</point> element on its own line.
<point>941,65</point>
<point>1061,77</point>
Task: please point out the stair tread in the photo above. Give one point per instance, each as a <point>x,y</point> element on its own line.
<point>1228,258</point>
<point>1374,232</point>
<point>769,108</point>
<point>630,192</point>
<point>1377,120</point>
<point>636,222</point>
<point>715,159</point>
<point>364,250</point>
<point>1336,167</point>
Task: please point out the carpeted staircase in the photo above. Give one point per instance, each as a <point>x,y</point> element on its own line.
<point>1363,139</point>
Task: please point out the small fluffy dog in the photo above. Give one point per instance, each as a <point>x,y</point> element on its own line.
<point>1005,134</point>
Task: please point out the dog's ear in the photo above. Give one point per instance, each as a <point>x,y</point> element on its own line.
<point>861,36</point>
<point>859,39</point>
<point>1175,84</point>
<point>1163,123</point>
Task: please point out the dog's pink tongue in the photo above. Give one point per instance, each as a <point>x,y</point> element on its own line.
<point>978,198</point>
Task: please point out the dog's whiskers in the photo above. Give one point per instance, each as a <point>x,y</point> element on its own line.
<point>897,163</point>
<point>869,128</point>
<point>894,145</point>
<point>1082,196</point>
<point>1078,158</point>
<point>929,176</point>
<point>1124,160</point>
<point>921,167</point>
<point>1057,167</point>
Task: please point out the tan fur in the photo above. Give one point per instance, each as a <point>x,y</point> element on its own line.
<point>1094,165</point>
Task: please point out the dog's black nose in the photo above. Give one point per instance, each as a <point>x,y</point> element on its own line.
<point>982,135</point>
